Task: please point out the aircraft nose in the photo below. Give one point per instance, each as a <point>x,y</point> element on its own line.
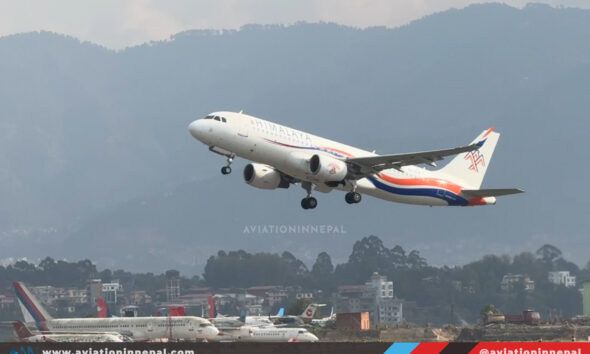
<point>197,130</point>
<point>213,333</point>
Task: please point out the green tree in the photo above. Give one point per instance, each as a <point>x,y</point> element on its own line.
<point>488,309</point>
<point>548,253</point>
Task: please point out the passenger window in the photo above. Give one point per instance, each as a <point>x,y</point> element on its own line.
<point>216,118</point>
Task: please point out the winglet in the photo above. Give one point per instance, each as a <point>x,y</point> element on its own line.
<point>488,132</point>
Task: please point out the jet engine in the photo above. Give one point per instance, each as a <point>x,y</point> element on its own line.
<point>264,177</point>
<point>327,169</point>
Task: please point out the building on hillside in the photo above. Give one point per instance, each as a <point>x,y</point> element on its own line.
<point>376,297</point>
<point>562,277</point>
<point>139,298</point>
<point>511,282</point>
<point>112,292</point>
<point>7,302</point>
<point>94,290</point>
<point>60,299</point>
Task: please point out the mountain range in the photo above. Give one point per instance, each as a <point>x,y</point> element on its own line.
<point>96,160</point>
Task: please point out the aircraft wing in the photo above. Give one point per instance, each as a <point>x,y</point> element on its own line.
<point>363,166</point>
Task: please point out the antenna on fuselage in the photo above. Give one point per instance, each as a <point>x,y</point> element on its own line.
<point>241,110</point>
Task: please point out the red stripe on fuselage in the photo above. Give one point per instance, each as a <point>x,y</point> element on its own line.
<point>423,182</point>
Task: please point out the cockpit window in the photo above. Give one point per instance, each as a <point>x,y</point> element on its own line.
<point>217,118</point>
<point>301,332</point>
<point>223,120</point>
<point>205,325</point>
<point>209,117</point>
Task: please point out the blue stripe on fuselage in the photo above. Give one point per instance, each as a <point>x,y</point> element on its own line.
<point>447,196</point>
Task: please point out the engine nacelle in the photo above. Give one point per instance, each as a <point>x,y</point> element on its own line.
<point>327,169</point>
<point>263,177</point>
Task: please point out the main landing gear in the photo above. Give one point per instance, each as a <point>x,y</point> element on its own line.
<point>353,197</point>
<point>308,202</point>
<point>226,170</point>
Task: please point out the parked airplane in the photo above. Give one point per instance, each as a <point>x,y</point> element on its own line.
<point>233,322</point>
<point>267,334</point>
<point>138,328</point>
<point>305,317</point>
<point>25,335</point>
<point>323,322</point>
<point>283,156</point>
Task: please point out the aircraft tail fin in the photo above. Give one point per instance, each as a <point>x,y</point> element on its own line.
<point>30,306</point>
<point>102,308</point>
<point>21,330</point>
<point>309,311</point>
<point>470,168</point>
<point>281,312</point>
<point>212,310</point>
<point>243,315</point>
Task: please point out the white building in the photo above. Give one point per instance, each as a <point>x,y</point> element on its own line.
<point>562,277</point>
<point>375,297</point>
<point>110,291</point>
<point>383,288</point>
<point>510,282</point>
<point>388,309</point>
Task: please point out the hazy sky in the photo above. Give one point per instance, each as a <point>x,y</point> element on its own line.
<point>120,23</point>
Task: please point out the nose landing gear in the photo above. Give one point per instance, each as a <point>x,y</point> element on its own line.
<point>226,170</point>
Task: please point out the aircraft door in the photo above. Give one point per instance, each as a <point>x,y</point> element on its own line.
<point>244,127</point>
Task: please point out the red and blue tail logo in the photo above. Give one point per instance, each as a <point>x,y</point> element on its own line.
<point>32,311</point>
<point>476,159</point>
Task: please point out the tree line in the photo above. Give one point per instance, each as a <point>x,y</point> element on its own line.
<point>432,294</point>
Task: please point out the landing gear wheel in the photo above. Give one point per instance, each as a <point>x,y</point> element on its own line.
<point>226,170</point>
<point>304,203</point>
<point>309,203</point>
<point>353,197</point>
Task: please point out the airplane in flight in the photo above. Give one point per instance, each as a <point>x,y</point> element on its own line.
<point>283,156</point>
<point>137,328</point>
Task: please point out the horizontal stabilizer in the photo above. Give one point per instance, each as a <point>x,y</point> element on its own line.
<point>472,193</point>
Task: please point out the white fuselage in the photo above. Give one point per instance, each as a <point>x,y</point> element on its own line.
<point>139,328</point>
<point>268,334</point>
<point>77,338</point>
<point>278,146</point>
